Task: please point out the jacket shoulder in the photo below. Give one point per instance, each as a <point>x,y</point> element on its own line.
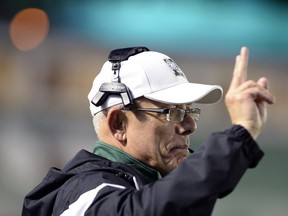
<point>84,172</point>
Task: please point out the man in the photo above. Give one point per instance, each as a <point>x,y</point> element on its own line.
<point>143,110</point>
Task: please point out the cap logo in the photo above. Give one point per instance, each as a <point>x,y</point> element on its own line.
<point>174,67</point>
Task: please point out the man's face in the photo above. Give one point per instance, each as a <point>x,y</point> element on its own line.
<point>154,140</point>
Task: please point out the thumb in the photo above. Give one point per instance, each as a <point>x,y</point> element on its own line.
<point>269,98</point>
<point>263,81</point>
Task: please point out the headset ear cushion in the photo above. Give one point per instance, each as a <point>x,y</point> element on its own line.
<point>99,98</point>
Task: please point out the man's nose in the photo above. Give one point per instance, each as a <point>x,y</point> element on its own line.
<point>187,126</point>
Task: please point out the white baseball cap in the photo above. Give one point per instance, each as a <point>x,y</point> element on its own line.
<point>155,76</point>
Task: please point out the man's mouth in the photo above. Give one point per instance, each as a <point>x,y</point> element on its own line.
<point>179,148</point>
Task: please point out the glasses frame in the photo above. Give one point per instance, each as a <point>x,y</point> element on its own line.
<point>194,112</point>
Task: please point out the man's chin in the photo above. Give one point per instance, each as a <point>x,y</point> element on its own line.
<point>181,159</point>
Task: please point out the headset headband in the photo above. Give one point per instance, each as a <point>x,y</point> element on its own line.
<point>116,87</point>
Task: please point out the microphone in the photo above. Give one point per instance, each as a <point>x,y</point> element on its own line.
<point>190,150</point>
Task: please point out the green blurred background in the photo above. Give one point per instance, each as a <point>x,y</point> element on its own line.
<point>44,114</point>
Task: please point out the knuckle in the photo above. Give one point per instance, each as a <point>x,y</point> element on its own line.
<point>251,83</point>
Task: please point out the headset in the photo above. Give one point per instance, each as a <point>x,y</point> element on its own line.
<point>115,87</point>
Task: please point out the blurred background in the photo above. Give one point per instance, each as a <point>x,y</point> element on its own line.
<point>50,52</point>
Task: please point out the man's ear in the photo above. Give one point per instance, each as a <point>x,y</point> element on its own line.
<point>117,124</point>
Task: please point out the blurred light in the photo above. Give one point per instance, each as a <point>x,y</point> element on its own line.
<point>29,28</point>
<point>207,27</point>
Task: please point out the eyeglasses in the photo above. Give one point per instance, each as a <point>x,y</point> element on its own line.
<point>172,114</point>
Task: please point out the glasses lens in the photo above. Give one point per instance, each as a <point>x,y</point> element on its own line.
<point>194,113</point>
<point>176,115</point>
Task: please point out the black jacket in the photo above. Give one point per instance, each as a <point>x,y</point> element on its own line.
<point>93,185</point>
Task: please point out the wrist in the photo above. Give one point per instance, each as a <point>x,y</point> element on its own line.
<point>250,128</point>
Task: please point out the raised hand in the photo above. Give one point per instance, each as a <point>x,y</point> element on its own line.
<point>246,99</point>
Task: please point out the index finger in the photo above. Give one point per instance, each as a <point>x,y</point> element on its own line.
<point>240,69</point>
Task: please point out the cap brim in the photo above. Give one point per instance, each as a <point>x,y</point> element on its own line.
<point>188,93</point>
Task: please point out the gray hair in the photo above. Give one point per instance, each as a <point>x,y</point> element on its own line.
<point>98,121</point>
<point>99,118</point>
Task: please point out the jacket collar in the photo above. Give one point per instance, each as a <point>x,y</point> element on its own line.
<point>114,154</point>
